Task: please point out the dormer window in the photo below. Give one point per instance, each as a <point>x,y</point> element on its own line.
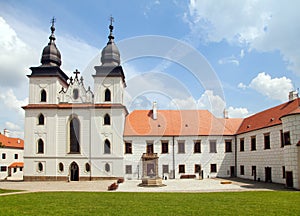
<point>75,94</point>
<point>43,96</point>
<point>107,95</point>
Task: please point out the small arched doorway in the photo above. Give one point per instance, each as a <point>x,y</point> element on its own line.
<point>74,172</point>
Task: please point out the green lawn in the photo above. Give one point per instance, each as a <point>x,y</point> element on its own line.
<point>115,203</point>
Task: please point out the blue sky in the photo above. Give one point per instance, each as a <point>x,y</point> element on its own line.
<point>249,48</point>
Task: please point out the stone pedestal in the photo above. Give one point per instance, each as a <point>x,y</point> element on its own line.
<point>152,182</point>
<point>150,171</point>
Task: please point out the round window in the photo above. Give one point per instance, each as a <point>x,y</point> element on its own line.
<point>107,167</point>
<point>61,167</point>
<point>40,167</point>
<point>87,167</point>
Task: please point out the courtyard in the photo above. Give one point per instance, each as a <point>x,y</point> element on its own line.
<point>178,185</point>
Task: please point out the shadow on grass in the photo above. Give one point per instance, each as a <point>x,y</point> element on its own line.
<point>3,191</point>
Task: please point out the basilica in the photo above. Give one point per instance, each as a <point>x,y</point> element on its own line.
<point>74,133</point>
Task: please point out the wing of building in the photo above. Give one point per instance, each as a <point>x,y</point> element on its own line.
<point>76,133</point>
<point>11,161</point>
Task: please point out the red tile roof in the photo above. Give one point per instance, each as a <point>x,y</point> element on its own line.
<point>16,164</point>
<point>9,142</point>
<point>269,117</point>
<point>178,123</point>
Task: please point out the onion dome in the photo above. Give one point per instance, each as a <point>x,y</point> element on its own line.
<point>110,53</point>
<point>51,55</point>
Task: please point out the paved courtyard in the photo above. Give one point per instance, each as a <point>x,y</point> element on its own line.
<point>179,185</point>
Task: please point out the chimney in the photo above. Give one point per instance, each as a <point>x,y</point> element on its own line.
<point>225,114</point>
<point>5,132</point>
<point>293,95</point>
<point>154,110</point>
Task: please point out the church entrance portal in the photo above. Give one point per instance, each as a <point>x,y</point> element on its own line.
<point>74,172</point>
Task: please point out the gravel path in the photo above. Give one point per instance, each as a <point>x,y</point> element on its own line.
<point>178,185</point>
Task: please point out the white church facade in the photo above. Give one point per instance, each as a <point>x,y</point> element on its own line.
<point>75,133</point>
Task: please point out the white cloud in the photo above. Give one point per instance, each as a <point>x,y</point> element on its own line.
<point>229,60</point>
<point>274,88</point>
<point>242,86</point>
<point>211,102</point>
<point>15,56</point>
<point>242,53</point>
<point>261,25</point>
<point>11,126</point>
<point>12,103</point>
<point>237,112</point>
<point>187,103</point>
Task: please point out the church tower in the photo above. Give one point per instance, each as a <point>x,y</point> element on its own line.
<point>109,85</point>
<point>47,79</point>
<point>72,133</point>
<point>109,80</point>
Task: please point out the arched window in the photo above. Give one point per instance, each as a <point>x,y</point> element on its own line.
<point>40,167</point>
<point>41,119</point>
<point>107,167</point>
<point>61,167</point>
<point>106,119</point>
<point>74,130</point>
<point>106,147</point>
<point>107,95</point>
<point>40,148</point>
<point>75,94</point>
<point>43,96</point>
<point>87,167</point>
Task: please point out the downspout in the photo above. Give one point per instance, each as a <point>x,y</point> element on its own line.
<point>90,145</point>
<point>173,145</point>
<point>235,156</point>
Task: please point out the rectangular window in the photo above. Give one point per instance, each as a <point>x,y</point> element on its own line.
<point>150,148</point>
<point>253,143</point>
<point>283,172</point>
<point>242,144</point>
<point>16,156</point>
<point>3,168</point>
<point>165,168</point>
<point>21,169</point>
<point>128,169</point>
<point>3,156</point>
<point>181,147</point>
<point>181,168</point>
<point>128,148</point>
<point>213,168</point>
<point>242,170</point>
<point>267,141</point>
<point>197,168</point>
<point>212,146</point>
<point>286,136</point>
<point>197,146</point>
<point>228,146</point>
<point>15,170</point>
<point>281,139</point>
<point>164,147</point>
